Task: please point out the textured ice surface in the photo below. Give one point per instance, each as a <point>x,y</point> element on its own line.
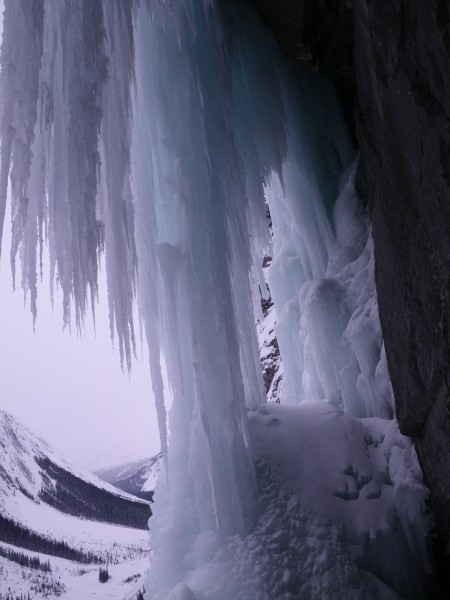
<point>328,327</point>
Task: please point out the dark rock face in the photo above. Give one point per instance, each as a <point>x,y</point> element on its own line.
<point>401,68</point>
<point>316,34</point>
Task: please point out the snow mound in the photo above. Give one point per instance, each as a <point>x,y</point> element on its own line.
<point>340,514</point>
<point>343,468</point>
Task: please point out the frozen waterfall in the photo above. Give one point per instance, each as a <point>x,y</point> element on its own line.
<point>156,132</point>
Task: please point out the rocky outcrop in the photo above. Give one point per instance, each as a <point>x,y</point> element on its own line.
<point>397,54</point>
<point>271,365</point>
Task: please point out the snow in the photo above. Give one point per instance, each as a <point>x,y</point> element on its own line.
<point>327,327</point>
<point>142,473</point>
<point>74,581</point>
<point>16,580</point>
<point>331,520</point>
<point>152,476</point>
<point>269,353</point>
<point>18,449</point>
<point>267,327</point>
<point>122,470</point>
<point>342,468</point>
<point>80,533</point>
<point>88,585</point>
<point>126,549</point>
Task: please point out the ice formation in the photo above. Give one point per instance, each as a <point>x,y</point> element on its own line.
<point>157,131</point>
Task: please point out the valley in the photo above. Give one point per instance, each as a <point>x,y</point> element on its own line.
<point>59,525</point>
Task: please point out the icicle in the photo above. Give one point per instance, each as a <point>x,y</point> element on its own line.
<point>19,86</point>
<point>117,206</point>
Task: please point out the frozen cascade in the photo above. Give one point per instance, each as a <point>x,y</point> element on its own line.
<point>327,313</point>
<point>157,131</point>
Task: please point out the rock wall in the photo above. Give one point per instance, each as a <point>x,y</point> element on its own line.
<point>395,56</point>
<point>402,69</point>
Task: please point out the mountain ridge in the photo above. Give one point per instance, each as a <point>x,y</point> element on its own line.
<point>137,477</point>
<point>32,471</point>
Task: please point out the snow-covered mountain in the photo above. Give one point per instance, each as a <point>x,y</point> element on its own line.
<point>137,477</point>
<point>31,469</point>
<point>56,515</point>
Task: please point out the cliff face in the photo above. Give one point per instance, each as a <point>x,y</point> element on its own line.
<point>391,62</point>
<point>402,70</point>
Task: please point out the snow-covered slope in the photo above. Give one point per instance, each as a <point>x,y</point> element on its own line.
<point>67,581</point>
<point>137,477</point>
<point>32,473</point>
<point>52,510</point>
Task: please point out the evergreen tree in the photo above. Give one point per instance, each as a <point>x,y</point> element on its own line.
<point>103,574</point>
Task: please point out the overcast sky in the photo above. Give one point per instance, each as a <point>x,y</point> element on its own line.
<point>71,390</point>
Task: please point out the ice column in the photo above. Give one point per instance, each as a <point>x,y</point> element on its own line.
<point>195,258</point>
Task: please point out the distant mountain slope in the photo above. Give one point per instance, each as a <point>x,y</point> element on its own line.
<point>136,477</point>
<point>54,514</point>
<point>32,473</point>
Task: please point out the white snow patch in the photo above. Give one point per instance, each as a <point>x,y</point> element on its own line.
<point>332,521</point>
<point>342,468</point>
<point>72,581</point>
